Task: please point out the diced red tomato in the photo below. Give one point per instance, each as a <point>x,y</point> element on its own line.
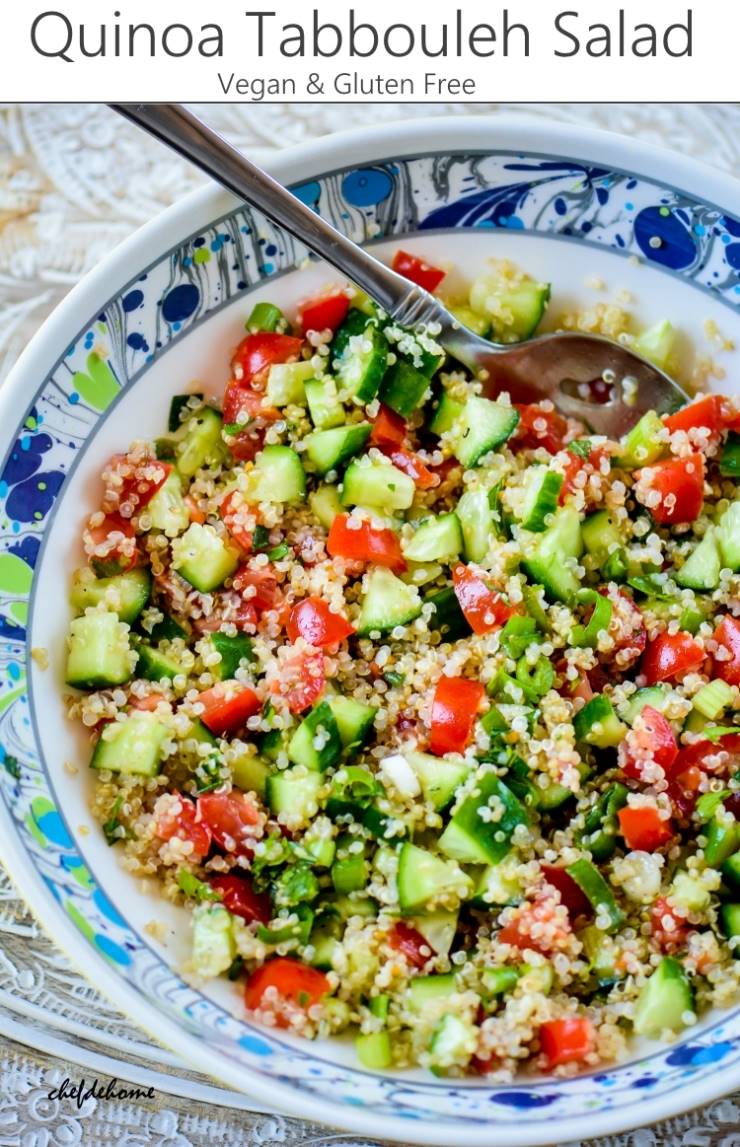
<point>651,739</point>
<point>242,404</point>
<point>110,545</point>
<point>409,943</point>
<point>327,312</point>
<point>227,707</point>
<point>232,819</point>
<point>457,702</point>
<point>187,825</point>
<point>194,511</point>
<point>312,620</point>
<point>240,899</point>
<point>699,752</point>
<point>389,429</point>
<point>131,483</point>
<point>571,895</point>
<point>683,790</point>
<point>485,1066</point>
<point>567,1040</point>
<point>525,930</point>
<point>259,351</point>
<point>669,930</point>
<point>366,544</point>
<point>147,704</point>
<point>574,464</point>
<point>484,610</point>
<point>680,483</point>
<point>709,412</point>
<point>259,587</point>
<point>419,272</point>
<point>538,427</point>
<point>727,635</point>
<point>302,680</point>
<point>411,464</point>
<point>296,984</point>
<point>239,519</point>
<point>644,829</point>
<point>671,655</point>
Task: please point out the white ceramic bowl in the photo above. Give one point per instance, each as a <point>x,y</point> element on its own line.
<point>163,311</point>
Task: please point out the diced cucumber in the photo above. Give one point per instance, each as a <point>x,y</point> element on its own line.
<point>203,557</point>
<point>134,745</point>
<point>653,695</point>
<point>286,383</point>
<point>600,948</point>
<point>515,304</point>
<point>323,403</point>
<point>469,838</point>
<point>540,498</point>
<point>702,567</point>
<point>328,449</point>
<point>249,773</point>
<point>213,940</point>
<point>498,884</point>
<point>453,1042</point>
<point>201,442</point>
<point>234,649</point>
<point>601,536</point>
<point>664,1000</point>
<point>437,539</point>
<point>294,794</point>
<point>439,777</point>
<point>481,426</point>
<point>731,871</point>
<point>167,511</point>
<point>474,515</point>
<point>424,879</point>
<point>729,462</point>
<point>278,476</point>
<point>479,324</point>
<point>438,928</point>
<point>354,720</point>
<point>723,838</point>
<point>378,484</point>
<point>316,743</point>
<point>656,343</point>
<point>360,357</point>
<point>728,537</point>
<point>125,594</point>
<point>180,409</point>
<point>423,990</point>
<point>729,918</point>
<point>325,943</point>
<point>403,388</point>
<point>549,555</point>
<point>386,602</point>
<point>155,665</point>
<point>499,981</point>
<point>448,409</point>
<point>712,699</point>
<point>325,505</point>
<point>99,652</point>
<point>595,888</point>
<point>447,617</point>
<point>374,1050</point>
<point>597,724</point>
<point>646,442</point>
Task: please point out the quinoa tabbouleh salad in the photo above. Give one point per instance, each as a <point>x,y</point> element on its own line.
<point>425,704</point>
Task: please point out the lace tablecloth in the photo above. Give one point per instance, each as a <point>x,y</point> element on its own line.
<point>73,182</point>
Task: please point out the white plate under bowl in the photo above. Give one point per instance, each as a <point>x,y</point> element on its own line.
<point>571,206</point>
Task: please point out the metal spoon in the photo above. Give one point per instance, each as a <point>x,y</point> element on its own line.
<point>559,366</point>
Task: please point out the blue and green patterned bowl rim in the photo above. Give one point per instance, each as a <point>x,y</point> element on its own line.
<point>413,181</point>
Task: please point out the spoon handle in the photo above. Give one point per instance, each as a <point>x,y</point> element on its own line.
<point>174,125</point>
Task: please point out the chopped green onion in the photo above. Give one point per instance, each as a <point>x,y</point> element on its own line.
<point>708,803</point>
<point>236,969</point>
<point>535,680</point>
<point>588,635</point>
<point>349,874</point>
<point>195,889</point>
<point>265,317</point>
<point>651,585</point>
<point>277,553</point>
<point>600,825</point>
<point>393,679</point>
<point>715,732</point>
<point>595,888</point>
<point>729,462</point>
<point>299,928</point>
<point>581,447</point>
<point>517,634</point>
